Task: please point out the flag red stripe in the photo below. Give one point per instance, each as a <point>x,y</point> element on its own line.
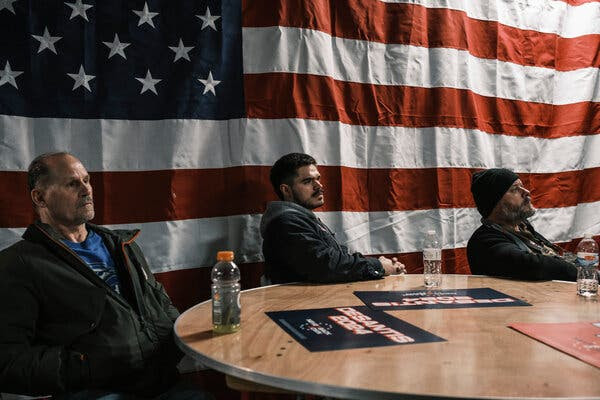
<point>323,98</point>
<point>184,289</point>
<point>579,2</point>
<point>137,197</point>
<point>416,25</point>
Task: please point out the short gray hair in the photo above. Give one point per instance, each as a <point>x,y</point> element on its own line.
<point>38,171</point>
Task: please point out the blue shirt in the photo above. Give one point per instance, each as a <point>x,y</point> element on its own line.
<point>93,251</point>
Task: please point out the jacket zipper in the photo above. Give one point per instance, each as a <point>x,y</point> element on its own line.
<point>127,263</point>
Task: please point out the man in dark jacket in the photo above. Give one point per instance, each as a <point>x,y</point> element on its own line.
<point>81,315</point>
<point>506,244</point>
<point>297,246</point>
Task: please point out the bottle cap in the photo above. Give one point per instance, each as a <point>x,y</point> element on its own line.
<point>587,236</point>
<point>431,232</point>
<point>225,256</point>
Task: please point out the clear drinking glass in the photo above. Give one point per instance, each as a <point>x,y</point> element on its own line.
<point>587,281</point>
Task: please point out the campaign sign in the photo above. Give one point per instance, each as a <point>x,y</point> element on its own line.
<point>446,298</point>
<point>578,339</point>
<point>348,328</point>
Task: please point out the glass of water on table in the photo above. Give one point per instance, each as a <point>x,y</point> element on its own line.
<point>587,280</point>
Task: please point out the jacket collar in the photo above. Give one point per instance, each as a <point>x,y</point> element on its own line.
<point>277,208</point>
<point>45,235</point>
<point>517,240</point>
<point>39,231</point>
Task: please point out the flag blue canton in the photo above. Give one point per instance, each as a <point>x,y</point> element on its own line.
<point>121,59</point>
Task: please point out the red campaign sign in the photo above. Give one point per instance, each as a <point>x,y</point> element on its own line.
<point>578,339</point>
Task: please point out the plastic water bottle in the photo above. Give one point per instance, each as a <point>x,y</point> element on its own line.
<point>587,266</point>
<point>226,308</point>
<point>587,251</point>
<point>432,260</point>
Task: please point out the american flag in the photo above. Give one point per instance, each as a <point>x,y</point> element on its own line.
<point>180,108</point>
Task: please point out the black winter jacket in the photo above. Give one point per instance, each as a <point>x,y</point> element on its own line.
<point>62,328</point>
<point>298,247</point>
<point>494,251</point>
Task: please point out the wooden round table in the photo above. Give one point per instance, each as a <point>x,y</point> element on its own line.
<point>482,357</point>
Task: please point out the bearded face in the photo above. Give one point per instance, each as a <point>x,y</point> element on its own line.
<point>306,189</point>
<point>515,214</point>
<point>515,206</point>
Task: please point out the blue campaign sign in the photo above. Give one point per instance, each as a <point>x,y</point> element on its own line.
<point>348,328</point>
<point>446,298</point>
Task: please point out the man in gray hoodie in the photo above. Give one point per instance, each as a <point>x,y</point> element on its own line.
<point>299,247</point>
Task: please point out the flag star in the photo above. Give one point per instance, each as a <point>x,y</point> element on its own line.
<point>208,20</point>
<point>8,75</point>
<point>148,83</point>
<point>81,79</point>
<point>209,84</point>
<point>47,41</point>
<point>116,47</point>
<point>145,16</point>
<point>79,9</point>
<point>8,4</point>
<point>181,51</point>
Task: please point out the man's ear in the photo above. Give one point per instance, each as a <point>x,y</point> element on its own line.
<point>37,197</point>
<point>286,191</point>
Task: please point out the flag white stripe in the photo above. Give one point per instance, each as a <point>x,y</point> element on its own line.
<point>384,232</point>
<point>306,51</point>
<point>556,17</point>
<point>175,245</point>
<point>192,144</point>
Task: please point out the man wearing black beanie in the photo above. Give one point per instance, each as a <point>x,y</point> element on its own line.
<point>506,244</point>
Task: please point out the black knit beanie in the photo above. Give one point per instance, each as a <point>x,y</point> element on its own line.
<point>489,186</point>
